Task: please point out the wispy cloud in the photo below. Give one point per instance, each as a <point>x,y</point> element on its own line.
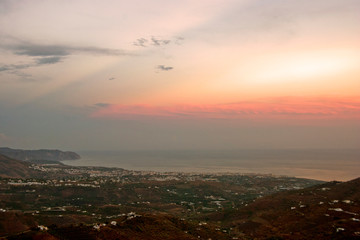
<point>179,40</point>
<point>102,105</point>
<point>140,42</point>
<point>44,54</point>
<point>164,68</point>
<point>34,50</point>
<point>48,60</point>
<point>43,50</point>
<point>14,68</point>
<point>23,76</point>
<point>157,41</point>
<point>273,108</point>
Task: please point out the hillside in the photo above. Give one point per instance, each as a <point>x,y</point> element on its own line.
<point>11,168</point>
<point>43,154</point>
<point>131,227</point>
<point>328,211</point>
<point>70,200</point>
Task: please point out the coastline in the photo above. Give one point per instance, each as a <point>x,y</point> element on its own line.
<point>320,166</point>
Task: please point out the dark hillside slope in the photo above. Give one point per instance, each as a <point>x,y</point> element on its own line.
<point>146,227</point>
<point>327,211</point>
<point>11,168</point>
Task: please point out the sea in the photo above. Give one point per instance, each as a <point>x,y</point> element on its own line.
<point>319,164</point>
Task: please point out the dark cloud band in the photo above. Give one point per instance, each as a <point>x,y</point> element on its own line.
<point>37,50</point>
<point>43,54</point>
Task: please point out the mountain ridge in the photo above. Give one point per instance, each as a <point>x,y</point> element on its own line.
<point>41,154</point>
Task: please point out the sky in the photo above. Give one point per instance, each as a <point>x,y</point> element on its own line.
<point>162,74</point>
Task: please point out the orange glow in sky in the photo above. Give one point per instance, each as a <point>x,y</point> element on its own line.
<point>276,108</point>
<point>96,62</point>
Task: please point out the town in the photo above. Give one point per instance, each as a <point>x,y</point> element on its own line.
<point>92,195</point>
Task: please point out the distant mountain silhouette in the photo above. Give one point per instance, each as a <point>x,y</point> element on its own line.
<point>42,154</point>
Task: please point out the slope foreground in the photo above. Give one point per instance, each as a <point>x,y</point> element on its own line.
<point>328,211</point>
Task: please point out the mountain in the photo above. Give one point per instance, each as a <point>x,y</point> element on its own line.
<point>35,155</point>
<point>11,168</point>
<point>327,211</point>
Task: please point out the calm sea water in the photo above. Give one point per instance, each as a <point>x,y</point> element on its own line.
<point>334,164</point>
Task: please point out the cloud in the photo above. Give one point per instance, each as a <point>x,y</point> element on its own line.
<point>179,40</point>
<point>39,50</point>
<point>24,76</point>
<point>35,50</point>
<point>43,54</point>
<point>13,68</point>
<point>291,108</point>
<point>164,68</point>
<point>157,41</point>
<point>99,51</point>
<point>48,60</point>
<point>4,68</point>
<point>140,42</point>
<point>16,70</point>
<point>102,105</point>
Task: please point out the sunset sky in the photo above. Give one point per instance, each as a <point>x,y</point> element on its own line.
<point>162,74</point>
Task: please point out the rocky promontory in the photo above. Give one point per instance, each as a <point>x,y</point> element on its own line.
<point>42,154</point>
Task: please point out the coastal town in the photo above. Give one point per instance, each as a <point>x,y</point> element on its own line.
<point>96,194</point>
<point>54,199</point>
